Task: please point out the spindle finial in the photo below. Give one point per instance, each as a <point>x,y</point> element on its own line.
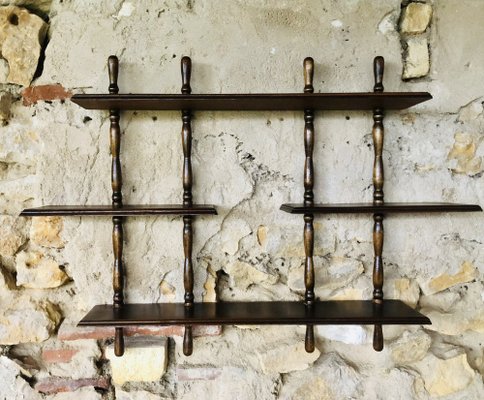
<point>113,68</point>
<point>308,65</point>
<point>378,68</point>
<point>186,71</point>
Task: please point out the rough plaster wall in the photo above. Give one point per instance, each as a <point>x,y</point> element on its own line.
<point>248,164</point>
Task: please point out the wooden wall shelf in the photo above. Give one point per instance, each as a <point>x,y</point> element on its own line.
<point>386,208</point>
<point>310,311</point>
<point>252,102</point>
<point>122,211</point>
<point>346,312</point>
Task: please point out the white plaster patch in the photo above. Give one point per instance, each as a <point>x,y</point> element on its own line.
<point>336,23</point>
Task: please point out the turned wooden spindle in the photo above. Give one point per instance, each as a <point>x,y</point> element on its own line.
<point>186,68</point>
<point>117,201</point>
<point>378,180</point>
<point>309,297</point>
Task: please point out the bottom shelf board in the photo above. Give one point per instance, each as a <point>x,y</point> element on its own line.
<point>345,312</point>
<point>363,208</point>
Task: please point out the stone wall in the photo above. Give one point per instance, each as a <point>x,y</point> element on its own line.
<point>53,270</point>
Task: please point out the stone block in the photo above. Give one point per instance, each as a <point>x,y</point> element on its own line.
<point>443,377</point>
<point>466,273</point>
<point>12,235</point>
<point>13,385</point>
<point>45,231</point>
<point>22,35</point>
<point>144,360</point>
<point>416,18</point>
<point>410,347</point>
<point>37,271</point>
<point>27,321</point>
<point>286,358</point>
<point>416,60</point>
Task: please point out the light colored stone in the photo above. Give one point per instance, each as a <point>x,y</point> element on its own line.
<point>83,393</point>
<point>455,323</point>
<point>416,63</point>
<point>135,395</point>
<point>416,18</point>
<point>25,321</point>
<point>14,386</point>
<point>233,231</point>
<point>262,235</point>
<point>78,361</point>
<point>38,5</point>
<point>242,275</point>
<point>331,378</point>
<point>462,156</point>
<point>286,358</point>
<point>210,286</point>
<point>167,292</point>
<point>144,360</point>
<point>444,377</point>
<point>349,334</point>
<point>12,235</point>
<point>331,274</point>
<point>37,271</point>
<point>410,347</point>
<point>45,231</point>
<point>467,272</point>
<point>21,37</point>
<point>470,112</point>
<point>4,70</point>
<point>403,289</point>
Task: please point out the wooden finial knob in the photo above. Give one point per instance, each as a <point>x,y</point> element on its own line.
<point>113,67</point>
<point>308,65</point>
<point>186,71</point>
<point>378,67</point>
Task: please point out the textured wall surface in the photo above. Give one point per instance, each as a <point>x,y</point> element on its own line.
<point>53,270</point>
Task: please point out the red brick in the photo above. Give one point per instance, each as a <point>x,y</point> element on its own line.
<point>56,385</point>
<point>58,355</point>
<point>69,332</point>
<point>33,94</point>
<point>198,374</point>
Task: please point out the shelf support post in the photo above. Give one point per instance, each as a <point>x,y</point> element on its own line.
<point>378,180</point>
<point>308,235</point>
<point>186,68</point>
<point>117,201</point>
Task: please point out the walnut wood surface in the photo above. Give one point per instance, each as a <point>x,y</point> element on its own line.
<point>186,71</point>
<point>365,208</point>
<point>345,312</point>
<point>254,102</point>
<point>117,202</point>
<point>308,234</point>
<point>378,198</point>
<point>125,210</point>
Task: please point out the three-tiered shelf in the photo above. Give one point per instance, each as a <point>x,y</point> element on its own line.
<point>309,312</point>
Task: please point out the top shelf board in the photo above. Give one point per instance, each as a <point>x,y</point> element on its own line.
<point>252,102</point>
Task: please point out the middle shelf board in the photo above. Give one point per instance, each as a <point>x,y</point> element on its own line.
<point>345,312</point>
<point>361,208</point>
<point>252,102</point>
<point>124,211</point>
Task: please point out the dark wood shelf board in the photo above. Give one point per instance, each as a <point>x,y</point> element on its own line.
<point>247,102</point>
<point>346,208</point>
<point>126,210</point>
<point>347,312</point>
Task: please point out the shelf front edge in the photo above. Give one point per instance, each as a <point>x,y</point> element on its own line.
<point>125,211</point>
<point>347,312</point>
<point>365,208</point>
